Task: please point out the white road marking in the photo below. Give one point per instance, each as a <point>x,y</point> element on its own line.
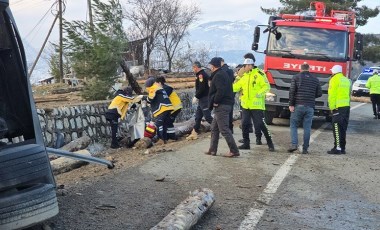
<point>254,215</point>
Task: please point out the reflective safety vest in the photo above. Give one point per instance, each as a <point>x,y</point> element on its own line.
<point>120,103</point>
<point>173,97</point>
<point>339,91</point>
<point>253,86</point>
<point>158,99</point>
<point>373,84</point>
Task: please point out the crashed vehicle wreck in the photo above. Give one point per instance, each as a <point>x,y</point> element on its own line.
<point>27,185</point>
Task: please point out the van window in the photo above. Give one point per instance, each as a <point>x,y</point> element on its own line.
<point>15,111</point>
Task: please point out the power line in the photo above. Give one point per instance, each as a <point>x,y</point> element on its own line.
<point>38,23</point>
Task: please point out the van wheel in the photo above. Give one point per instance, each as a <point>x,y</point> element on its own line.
<point>269,115</point>
<point>23,164</point>
<point>26,207</point>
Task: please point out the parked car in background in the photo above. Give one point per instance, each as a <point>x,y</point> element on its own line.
<point>358,88</point>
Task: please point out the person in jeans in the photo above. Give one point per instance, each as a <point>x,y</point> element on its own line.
<point>221,100</point>
<point>304,89</point>
<point>200,98</point>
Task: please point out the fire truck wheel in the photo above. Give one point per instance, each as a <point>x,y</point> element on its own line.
<point>25,207</point>
<point>22,165</point>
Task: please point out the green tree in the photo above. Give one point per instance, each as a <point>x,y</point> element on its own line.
<point>371,50</point>
<point>54,64</point>
<point>363,13</point>
<point>95,51</point>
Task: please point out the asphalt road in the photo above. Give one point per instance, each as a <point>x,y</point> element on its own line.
<point>259,190</point>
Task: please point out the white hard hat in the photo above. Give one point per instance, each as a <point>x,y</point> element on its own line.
<point>248,61</point>
<point>336,69</point>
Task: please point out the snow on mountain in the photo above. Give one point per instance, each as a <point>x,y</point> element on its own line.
<point>229,39</point>
<point>41,71</point>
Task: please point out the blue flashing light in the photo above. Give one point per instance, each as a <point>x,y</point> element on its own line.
<point>367,70</point>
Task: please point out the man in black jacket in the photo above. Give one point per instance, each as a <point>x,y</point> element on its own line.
<point>221,100</point>
<point>304,89</point>
<point>230,73</point>
<point>201,97</point>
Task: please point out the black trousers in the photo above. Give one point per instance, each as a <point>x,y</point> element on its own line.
<point>162,122</point>
<point>114,127</point>
<point>202,111</point>
<point>375,99</point>
<point>257,116</point>
<point>171,129</point>
<point>340,123</point>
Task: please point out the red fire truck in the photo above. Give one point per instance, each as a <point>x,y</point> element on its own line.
<point>316,38</point>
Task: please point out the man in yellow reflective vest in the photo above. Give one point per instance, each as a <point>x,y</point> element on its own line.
<point>177,106</point>
<point>253,84</point>
<point>339,104</point>
<point>373,84</point>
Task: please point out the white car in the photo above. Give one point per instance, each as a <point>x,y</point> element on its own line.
<point>358,88</point>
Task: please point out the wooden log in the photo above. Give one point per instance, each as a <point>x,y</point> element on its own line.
<point>184,128</point>
<point>189,211</point>
<point>77,144</point>
<point>50,99</point>
<point>63,164</point>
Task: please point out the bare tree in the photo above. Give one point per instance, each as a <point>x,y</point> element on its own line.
<point>145,17</point>
<point>176,19</point>
<point>187,55</point>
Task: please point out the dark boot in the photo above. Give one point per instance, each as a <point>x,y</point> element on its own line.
<point>270,146</point>
<point>245,145</point>
<point>258,141</point>
<point>115,145</point>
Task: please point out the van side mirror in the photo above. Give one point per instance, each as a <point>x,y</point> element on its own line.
<point>359,42</point>
<point>256,38</point>
<point>358,48</point>
<point>256,35</point>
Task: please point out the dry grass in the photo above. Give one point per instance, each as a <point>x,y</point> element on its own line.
<point>361,99</point>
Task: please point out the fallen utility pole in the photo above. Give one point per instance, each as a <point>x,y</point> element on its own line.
<point>43,46</point>
<point>81,157</point>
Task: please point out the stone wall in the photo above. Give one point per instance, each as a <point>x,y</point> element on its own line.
<point>88,119</point>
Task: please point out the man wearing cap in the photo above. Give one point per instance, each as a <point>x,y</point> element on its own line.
<point>230,73</point>
<point>161,107</point>
<point>304,89</point>
<point>253,84</point>
<point>221,100</point>
<point>373,84</point>
<point>118,109</point>
<point>201,97</point>
<point>339,104</point>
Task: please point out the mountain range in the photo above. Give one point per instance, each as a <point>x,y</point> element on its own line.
<point>227,39</point>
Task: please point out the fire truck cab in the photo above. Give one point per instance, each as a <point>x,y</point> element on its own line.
<point>316,38</point>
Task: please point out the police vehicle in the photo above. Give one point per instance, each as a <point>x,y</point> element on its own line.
<point>358,88</point>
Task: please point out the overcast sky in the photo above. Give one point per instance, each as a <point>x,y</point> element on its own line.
<point>33,26</point>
